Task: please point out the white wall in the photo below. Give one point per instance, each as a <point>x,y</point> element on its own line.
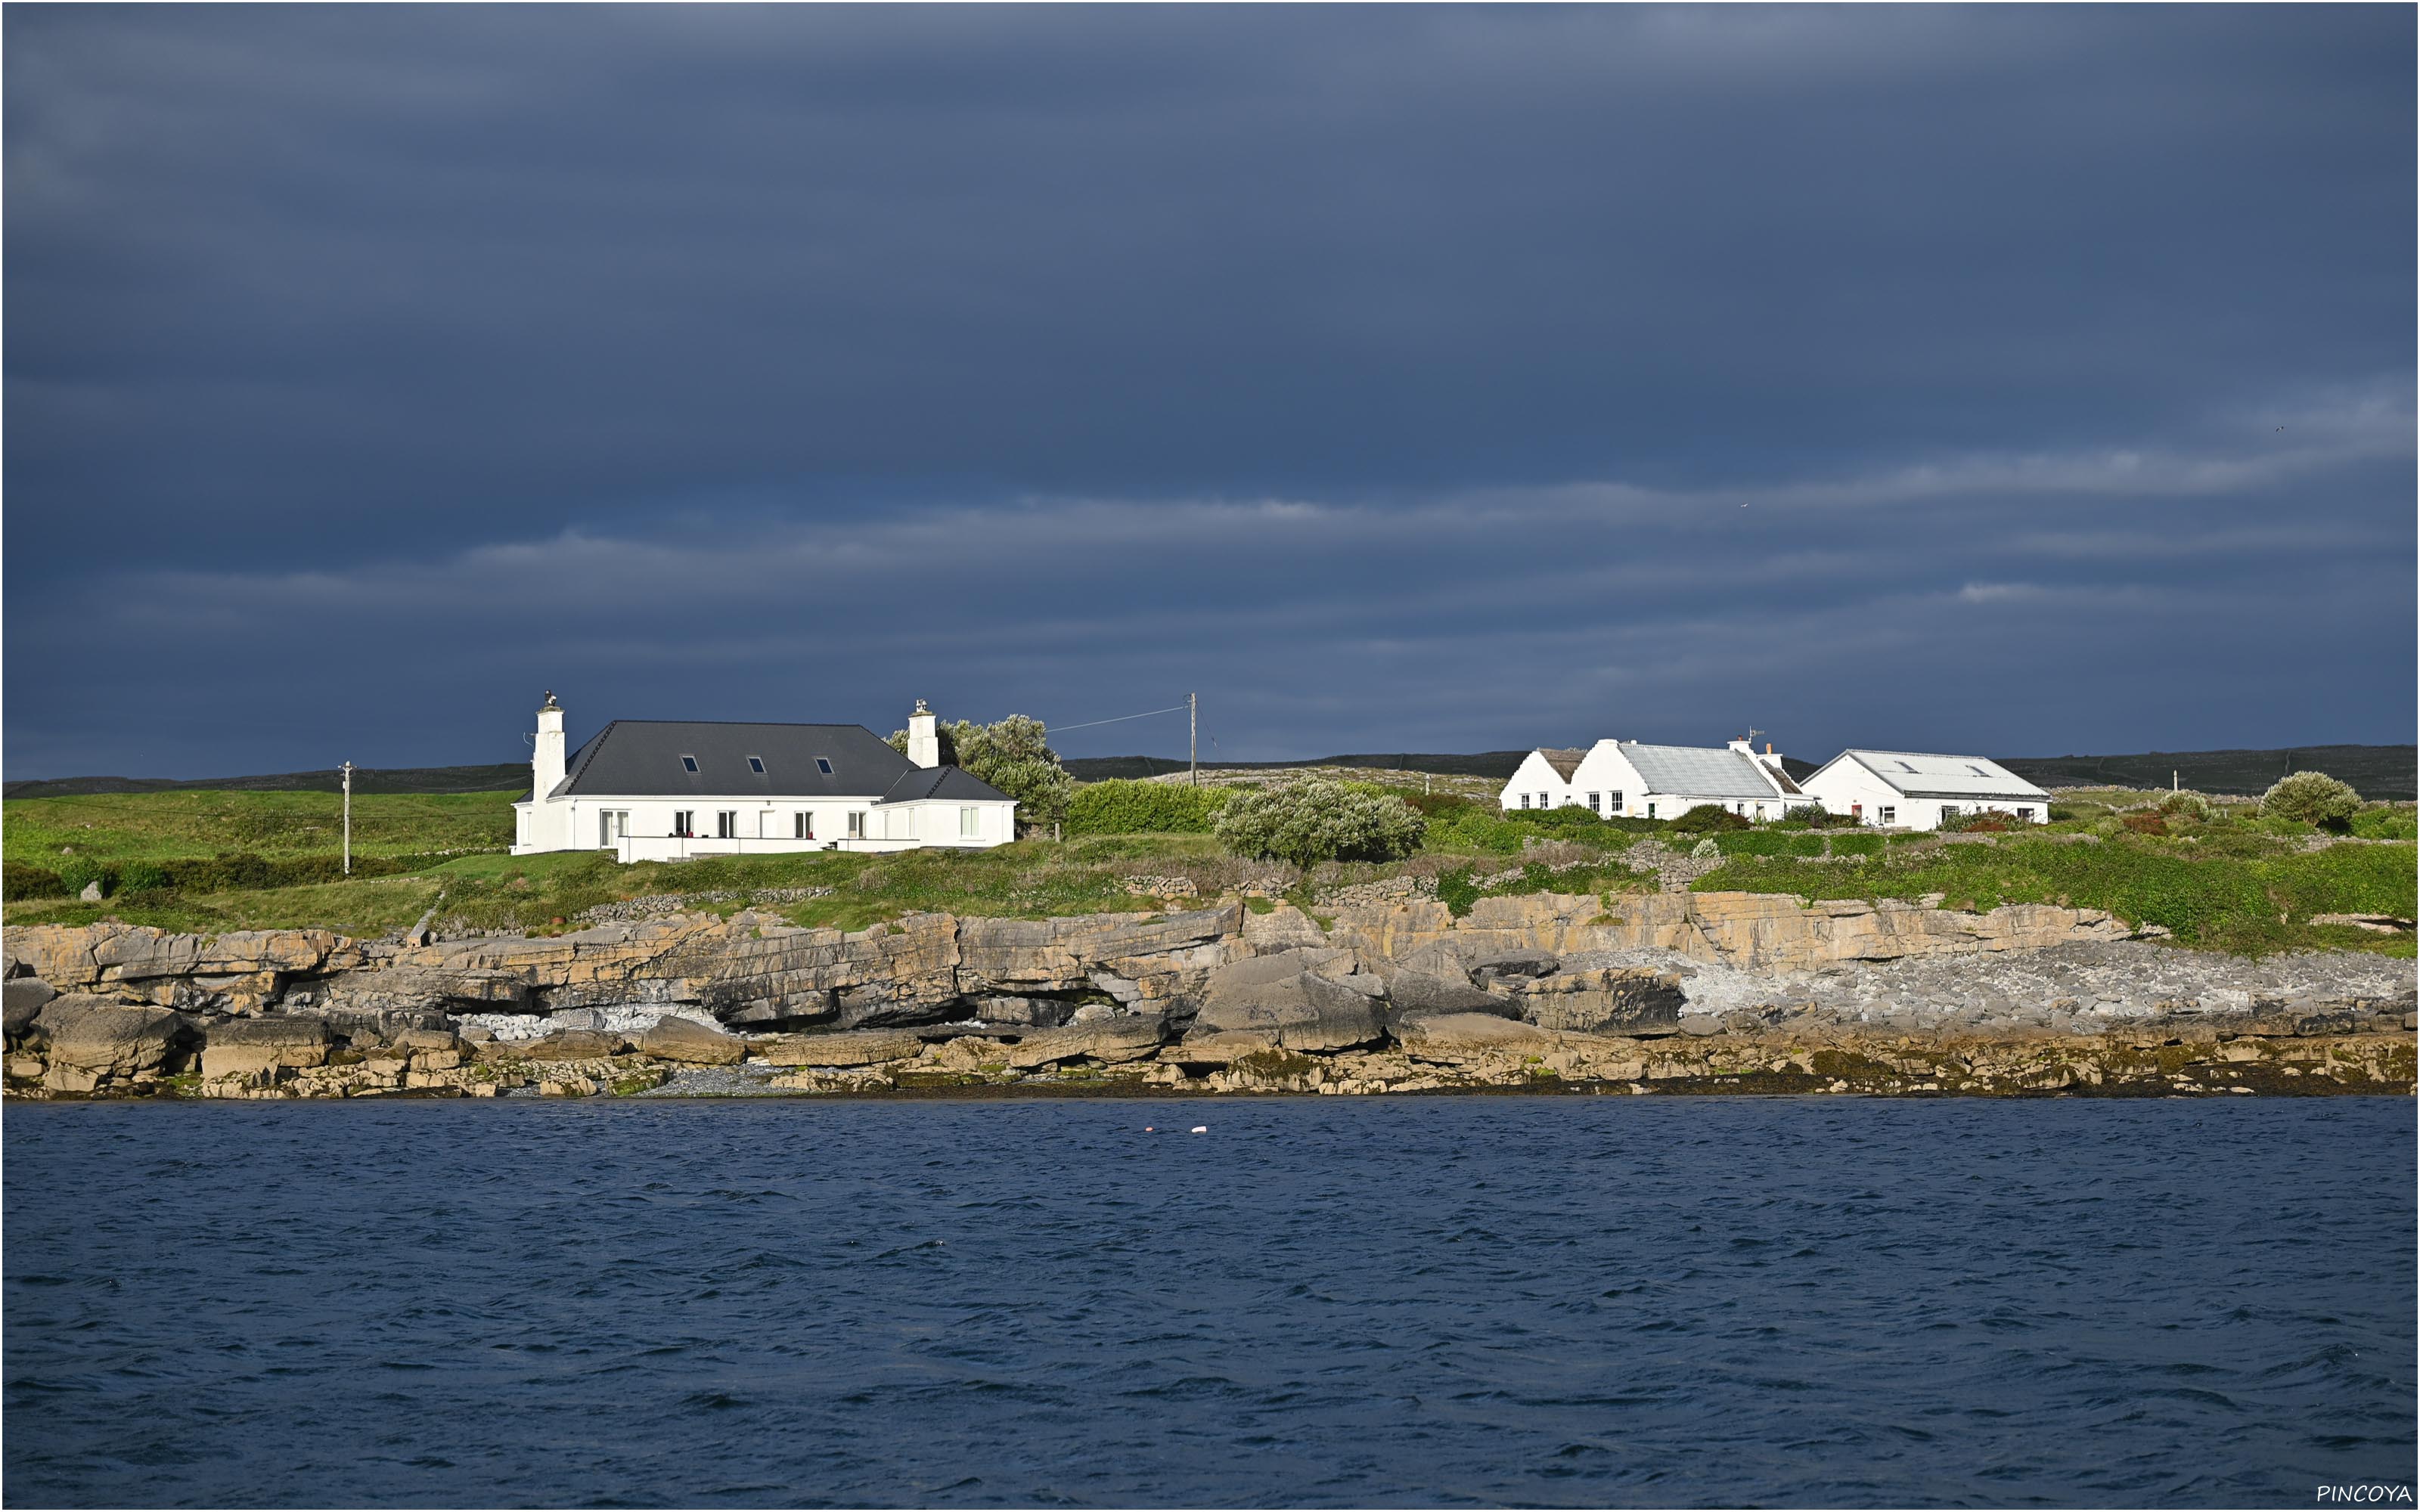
<point>1846,786</point>
<point>765,826</point>
<point>1605,772</point>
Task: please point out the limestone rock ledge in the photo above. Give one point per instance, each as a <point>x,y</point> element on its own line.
<point>1723,991</point>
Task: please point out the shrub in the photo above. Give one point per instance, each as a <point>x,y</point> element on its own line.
<point>1705,849</point>
<point>2181,804</point>
<point>142,876</point>
<point>1124,807</point>
<point>1312,818</point>
<point>1982,821</point>
<point>78,872</point>
<point>2311,798</point>
<point>1706,816</point>
<point>2144,824</point>
<point>20,881</point>
<point>1456,890</point>
<point>2386,821</point>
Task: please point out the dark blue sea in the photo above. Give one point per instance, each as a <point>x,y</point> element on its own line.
<point>1321,1301</point>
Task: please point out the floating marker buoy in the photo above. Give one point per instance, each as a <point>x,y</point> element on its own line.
<point>1199,1128</point>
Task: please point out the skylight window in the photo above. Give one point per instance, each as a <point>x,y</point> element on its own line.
<point>757,764</point>
<point>1904,767</point>
<point>823,764</point>
<point>689,764</point>
<point>1976,770</point>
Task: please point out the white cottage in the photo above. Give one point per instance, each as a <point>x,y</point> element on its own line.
<point>661,790</point>
<point>1630,780</point>
<point>1916,790</point>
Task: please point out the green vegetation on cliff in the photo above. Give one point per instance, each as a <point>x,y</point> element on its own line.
<point>2220,876</point>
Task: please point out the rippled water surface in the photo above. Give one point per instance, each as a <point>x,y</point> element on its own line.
<point>1321,1301</point>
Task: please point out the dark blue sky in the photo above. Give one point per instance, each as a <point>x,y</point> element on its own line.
<point>2004,379</point>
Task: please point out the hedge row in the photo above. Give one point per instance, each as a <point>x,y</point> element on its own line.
<point>239,872</point>
<point>1123,806</point>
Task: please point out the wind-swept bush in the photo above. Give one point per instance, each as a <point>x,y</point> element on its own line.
<point>1312,818</point>
<point>2311,798</point>
<point>1706,816</point>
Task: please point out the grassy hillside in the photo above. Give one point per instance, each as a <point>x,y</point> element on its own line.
<point>117,827</point>
<point>365,780</point>
<point>2230,881</point>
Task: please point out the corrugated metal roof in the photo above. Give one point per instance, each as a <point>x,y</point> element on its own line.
<point>643,758</point>
<point>1931,774</point>
<point>1697,772</point>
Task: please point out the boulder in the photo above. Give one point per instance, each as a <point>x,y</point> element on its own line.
<point>241,1047</point>
<point>1419,994</point>
<point>1457,1037</point>
<point>1126,1037</point>
<point>1629,1000</point>
<point>429,1039</point>
<point>1513,965</point>
<point>573,1044</point>
<point>93,1042</point>
<point>1039,1012</point>
<point>845,1047</point>
<point>1286,1001</point>
<point>687,1041</point>
<point>21,999</point>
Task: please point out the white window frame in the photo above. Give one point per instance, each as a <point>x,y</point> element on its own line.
<point>802,824</point>
<point>727,823</point>
<point>857,823</point>
<point>1886,814</point>
<point>1594,805</point>
<point>969,824</point>
<point>685,823</point>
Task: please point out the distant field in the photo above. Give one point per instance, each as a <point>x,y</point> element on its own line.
<point>150,827</point>
<point>2383,772</point>
<point>2380,773</point>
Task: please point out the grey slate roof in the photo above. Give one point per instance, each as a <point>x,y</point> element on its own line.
<point>1695,772</point>
<point>642,758</point>
<point>948,783</point>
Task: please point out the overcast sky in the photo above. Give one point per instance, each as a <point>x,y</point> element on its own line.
<point>1998,379</point>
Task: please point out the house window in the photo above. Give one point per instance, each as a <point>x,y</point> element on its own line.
<point>857,823</point>
<point>969,823</point>
<point>2025,814</point>
<point>1525,801</point>
<point>823,764</point>
<point>1759,810</point>
<point>727,823</point>
<point>1950,811</point>
<point>1740,808</point>
<point>757,764</point>
<point>682,820</point>
<point>1885,815</point>
<point>611,825</point>
<point>1592,802</point>
<point>1613,804</point>
<point>1651,809</point>
<point>803,825</point>
<point>689,764</point>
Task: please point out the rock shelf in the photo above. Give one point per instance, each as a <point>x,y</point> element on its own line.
<point>1655,992</point>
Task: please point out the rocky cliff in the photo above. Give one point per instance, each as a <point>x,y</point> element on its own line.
<point>1725,989</point>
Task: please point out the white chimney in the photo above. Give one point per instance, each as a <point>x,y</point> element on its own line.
<point>924,736</point>
<point>546,759</point>
<point>1743,748</point>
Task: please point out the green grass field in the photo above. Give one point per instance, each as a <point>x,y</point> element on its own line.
<point>2233,881</point>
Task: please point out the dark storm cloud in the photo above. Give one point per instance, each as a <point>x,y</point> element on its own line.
<point>1419,378</point>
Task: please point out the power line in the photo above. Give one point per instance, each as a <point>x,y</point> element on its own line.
<point>1174,708</point>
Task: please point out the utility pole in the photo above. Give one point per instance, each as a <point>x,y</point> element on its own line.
<point>348,770</point>
<point>1193,735</point>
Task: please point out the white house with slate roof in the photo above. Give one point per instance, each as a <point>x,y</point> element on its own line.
<point>659,790</point>
<point>1626,779</point>
<point>1916,790</point>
